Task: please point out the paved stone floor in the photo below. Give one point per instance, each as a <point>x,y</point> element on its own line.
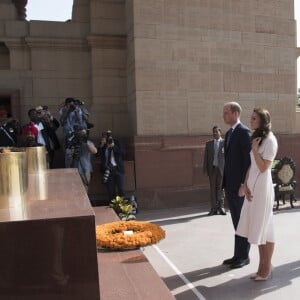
<point>190,258</point>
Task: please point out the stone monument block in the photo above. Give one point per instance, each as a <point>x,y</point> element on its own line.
<point>48,243</point>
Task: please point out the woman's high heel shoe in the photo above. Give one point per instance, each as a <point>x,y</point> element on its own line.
<point>260,278</point>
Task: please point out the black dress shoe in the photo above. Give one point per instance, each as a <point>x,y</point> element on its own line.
<point>222,211</point>
<point>240,263</point>
<point>212,212</point>
<point>230,261</point>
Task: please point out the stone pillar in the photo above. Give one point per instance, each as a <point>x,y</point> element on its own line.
<point>21,8</point>
<point>81,11</point>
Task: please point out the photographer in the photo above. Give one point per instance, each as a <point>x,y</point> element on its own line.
<point>50,125</point>
<point>79,150</point>
<point>45,116</point>
<point>73,114</point>
<point>111,154</point>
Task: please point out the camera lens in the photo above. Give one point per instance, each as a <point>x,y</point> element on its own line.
<point>106,175</point>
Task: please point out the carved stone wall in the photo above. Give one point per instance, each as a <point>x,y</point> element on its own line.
<point>156,72</point>
<point>159,67</point>
<point>192,56</point>
<point>84,58</point>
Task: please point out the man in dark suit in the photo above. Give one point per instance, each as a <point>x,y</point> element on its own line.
<point>111,153</point>
<point>237,161</point>
<point>213,166</point>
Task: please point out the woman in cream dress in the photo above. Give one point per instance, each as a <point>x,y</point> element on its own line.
<point>256,220</point>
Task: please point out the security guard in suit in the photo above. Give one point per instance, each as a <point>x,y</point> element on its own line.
<point>213,166</point>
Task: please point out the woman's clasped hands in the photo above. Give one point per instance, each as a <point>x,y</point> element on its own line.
<point>245,191</point>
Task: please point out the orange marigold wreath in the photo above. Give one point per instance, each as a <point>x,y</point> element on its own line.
<point>111,235</point>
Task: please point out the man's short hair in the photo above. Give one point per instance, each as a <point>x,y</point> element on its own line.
<point>217,127</point>
<point>69,100</point>
<point>234,107</point>
<point>30,111</point>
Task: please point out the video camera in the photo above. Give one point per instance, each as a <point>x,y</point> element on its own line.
<point>76,138</point>
<point>43,112</point>
<point>73,102</point>
<point>78,102</point>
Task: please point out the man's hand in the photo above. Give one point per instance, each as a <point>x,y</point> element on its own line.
<point>46,118</point>
<point>110,145</point>
<point>102,141</point>
<point>241,192</point>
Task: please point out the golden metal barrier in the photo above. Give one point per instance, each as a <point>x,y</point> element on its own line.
<point>36,157</point>
<point>13,177</point>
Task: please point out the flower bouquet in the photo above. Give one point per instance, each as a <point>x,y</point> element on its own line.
<point>124,208</point>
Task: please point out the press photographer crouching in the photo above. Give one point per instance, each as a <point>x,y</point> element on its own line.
<point>111,154</point>
<point>79,150</point>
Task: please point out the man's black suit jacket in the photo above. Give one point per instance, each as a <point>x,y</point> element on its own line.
<point>119,153</point>
<point>237,158</point>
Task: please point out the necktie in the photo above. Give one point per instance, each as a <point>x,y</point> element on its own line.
<point>229,136</point>
<point>216,151</point>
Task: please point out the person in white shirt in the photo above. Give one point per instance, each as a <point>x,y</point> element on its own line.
<point>44,136</point>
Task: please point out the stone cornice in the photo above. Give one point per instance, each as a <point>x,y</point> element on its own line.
<point>57,43</point>
<point>107,41</point>
<point>14,43</point>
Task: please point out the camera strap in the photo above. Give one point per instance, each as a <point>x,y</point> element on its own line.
<point>109,156</point>
<point>7,134</point>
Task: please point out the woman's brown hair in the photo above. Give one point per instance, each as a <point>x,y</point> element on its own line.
<point>265,124</point>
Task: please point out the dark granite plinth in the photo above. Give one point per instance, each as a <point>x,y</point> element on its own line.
<point>48,247</point>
